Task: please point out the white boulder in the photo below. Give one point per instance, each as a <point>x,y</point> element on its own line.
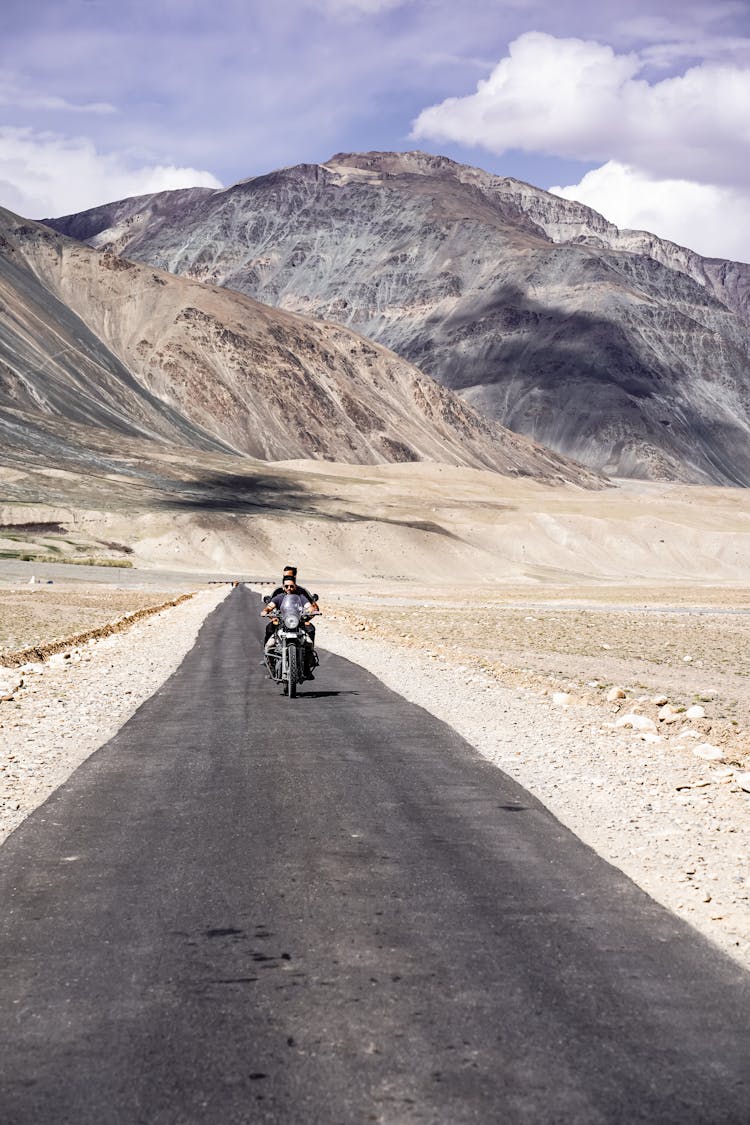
<point>708,752</point>
<point>561,698</point>
<point>637,722</point>
<point>10,682</point>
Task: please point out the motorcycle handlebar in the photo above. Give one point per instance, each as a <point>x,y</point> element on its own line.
<point>271,616</point>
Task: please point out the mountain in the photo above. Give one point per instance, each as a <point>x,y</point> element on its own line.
<point>92,343</point>
<point>617,348</point>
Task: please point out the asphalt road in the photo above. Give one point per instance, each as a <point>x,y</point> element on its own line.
<point>246,908</point>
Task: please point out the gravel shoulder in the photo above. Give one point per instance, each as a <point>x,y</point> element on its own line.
<point>63,709</point>
<point>674,822</point>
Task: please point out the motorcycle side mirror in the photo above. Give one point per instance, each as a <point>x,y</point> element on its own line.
<point>266,599</point>
<point>314,598</point>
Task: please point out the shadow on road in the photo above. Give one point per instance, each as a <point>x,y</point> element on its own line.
<point>322,694</point>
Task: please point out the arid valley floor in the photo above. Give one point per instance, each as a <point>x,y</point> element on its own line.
<point>591,644</point>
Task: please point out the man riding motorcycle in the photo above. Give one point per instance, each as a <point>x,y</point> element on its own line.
<point>291,572</point>
<point>289,588</point>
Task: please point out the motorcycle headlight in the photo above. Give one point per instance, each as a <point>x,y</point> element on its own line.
<point>291,621</point>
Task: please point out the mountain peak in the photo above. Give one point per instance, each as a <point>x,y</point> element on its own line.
<point>394,163</point>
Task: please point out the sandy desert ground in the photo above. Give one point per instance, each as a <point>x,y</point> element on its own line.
<point>386,523</point>
<point>40,616</point>
<point>585,641</point>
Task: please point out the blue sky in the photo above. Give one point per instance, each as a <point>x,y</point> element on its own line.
<point>640,109</point>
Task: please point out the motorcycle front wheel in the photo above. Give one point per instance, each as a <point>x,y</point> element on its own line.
<point>291,672</point>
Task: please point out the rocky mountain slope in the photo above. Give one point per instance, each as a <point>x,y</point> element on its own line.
<point>91,342</point>
<point>614,347</point>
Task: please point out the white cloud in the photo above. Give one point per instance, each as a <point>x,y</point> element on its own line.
<point>13,93</point>
<point>53,103</point>
<point>578,99</point>
<point>45,174</point>
<point>715,221</point>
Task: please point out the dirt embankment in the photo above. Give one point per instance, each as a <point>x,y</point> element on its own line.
<point>47,622</point>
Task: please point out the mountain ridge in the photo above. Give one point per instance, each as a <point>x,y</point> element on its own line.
<point>95,340</point>
<point>616,348</point>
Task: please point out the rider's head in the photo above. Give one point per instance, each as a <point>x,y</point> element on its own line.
<point>288,584</point>
<point>289,570</point>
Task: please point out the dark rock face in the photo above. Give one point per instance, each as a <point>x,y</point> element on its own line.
<point>89,339</point>
<point>614,347</point>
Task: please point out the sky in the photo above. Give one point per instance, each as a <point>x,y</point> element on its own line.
<point>637,108</point>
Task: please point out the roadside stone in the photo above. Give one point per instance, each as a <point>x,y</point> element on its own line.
<point>561,698</point>
<point>660,700</point>
<point>668,714</point>
<point>614,694</point>
<point>9,685</point>
<point>30,669</point>
<point>637,722</point>
<point>743,780</point>
<point>708,752</point>
<point>695,712</point>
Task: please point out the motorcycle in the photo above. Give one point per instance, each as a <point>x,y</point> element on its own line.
<point>285,660</point>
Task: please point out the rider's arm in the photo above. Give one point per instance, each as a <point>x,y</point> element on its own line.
<point>306,594</point>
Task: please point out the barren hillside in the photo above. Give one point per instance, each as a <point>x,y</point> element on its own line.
<point>90,338</point>
<point>614,347</point>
